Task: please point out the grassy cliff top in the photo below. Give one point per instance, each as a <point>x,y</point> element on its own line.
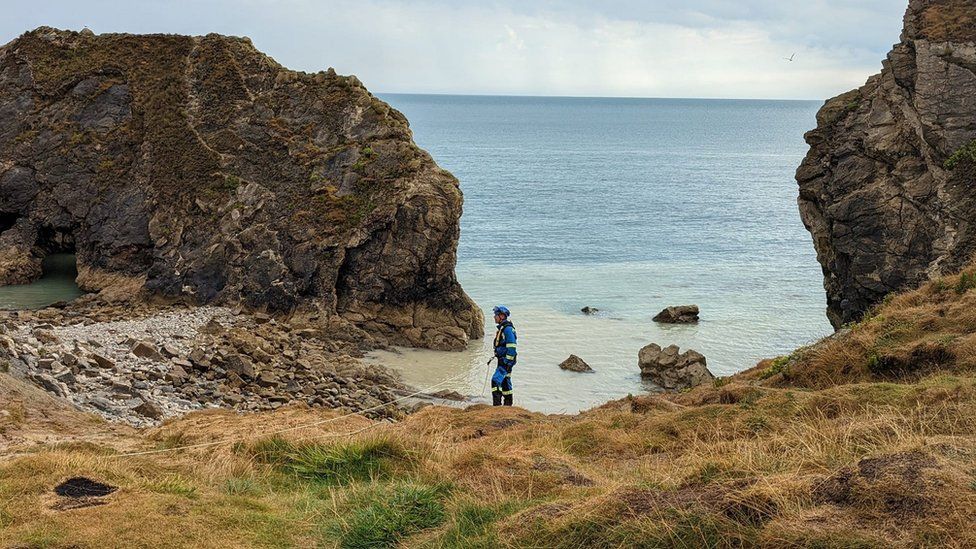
<point>860,441</point>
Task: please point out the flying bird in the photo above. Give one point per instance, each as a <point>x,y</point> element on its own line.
<point>790,58</point>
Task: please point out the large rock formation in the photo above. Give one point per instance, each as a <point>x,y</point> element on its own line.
<point>199,168</point>
<point>887,187</point>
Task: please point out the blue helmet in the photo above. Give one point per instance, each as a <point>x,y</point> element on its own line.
<point>501,309</point>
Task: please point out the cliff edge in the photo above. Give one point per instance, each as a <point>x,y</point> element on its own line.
<point>198,168</point>
<point>886,188</point>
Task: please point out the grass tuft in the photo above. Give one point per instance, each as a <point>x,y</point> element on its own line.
<point>339,463</point>
<point>387,516</point>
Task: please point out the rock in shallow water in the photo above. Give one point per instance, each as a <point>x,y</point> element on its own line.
<point>575,364</point>
<point>678,314</point>
<point>671,369</point>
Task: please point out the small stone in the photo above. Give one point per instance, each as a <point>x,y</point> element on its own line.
<point>69,359</point>
<point>575,364</point>
<point>149,409</point>
<point>66,376</point>
<point>169,351</point>
<point>176,375</point>
<point>198,356</point>
<point>145,349</point>
<point>240,365</point>
<point>48,383</point>
<point>46,336</point>
<point>45,362</point>
<point>102,361</point>
<point>212,327</point>
<point>267,379</point>
<point>102,404</point>
<point>121,387</point>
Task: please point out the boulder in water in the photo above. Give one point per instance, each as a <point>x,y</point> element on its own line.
<point>589,310</point>
<point>678,314</point>
<point>575,364</point>
<point>672,369</point>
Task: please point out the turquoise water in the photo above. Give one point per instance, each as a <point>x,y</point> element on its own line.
<point>57,283</point>
<point>627,205</point>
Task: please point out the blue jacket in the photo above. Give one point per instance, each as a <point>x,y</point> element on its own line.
<point>505,340</point>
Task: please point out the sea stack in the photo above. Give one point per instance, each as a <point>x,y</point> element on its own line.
<point>199,169</point>
<point>886,189</point>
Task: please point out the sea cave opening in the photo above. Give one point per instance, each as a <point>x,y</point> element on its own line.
<point>59,273</point>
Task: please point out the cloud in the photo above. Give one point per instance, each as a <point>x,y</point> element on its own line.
<point>701,48</point>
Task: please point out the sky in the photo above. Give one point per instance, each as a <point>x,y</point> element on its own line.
<point>617,48</point>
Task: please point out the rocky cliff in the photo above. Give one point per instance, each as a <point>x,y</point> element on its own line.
<point>198,168</point>
<point>887,187</point>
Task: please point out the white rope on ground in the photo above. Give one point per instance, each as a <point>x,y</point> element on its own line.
<point>425,390</point>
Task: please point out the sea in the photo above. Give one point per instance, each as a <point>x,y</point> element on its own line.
<point>624,205</point>
<point>628,206</point>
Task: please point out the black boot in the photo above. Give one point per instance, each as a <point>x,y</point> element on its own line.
<point>496,398</point>
<point>508,400</point>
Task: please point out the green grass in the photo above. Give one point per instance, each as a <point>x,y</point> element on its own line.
<point>176,485</point>
<point>778,366</point>
<point>967,152</point>
<point>386,516</point>
<point>967,281</point>
<point>474,526</point>
<point>338,464</point>
<point>241,486</point>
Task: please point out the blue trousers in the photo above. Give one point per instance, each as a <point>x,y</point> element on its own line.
<point>501,386</point>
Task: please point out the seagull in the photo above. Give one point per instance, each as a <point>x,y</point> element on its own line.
<point>790,58</point>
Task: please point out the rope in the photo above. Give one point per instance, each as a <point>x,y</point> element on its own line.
<point>296,427</point>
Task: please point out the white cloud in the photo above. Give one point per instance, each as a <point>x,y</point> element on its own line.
<point>705,48</point>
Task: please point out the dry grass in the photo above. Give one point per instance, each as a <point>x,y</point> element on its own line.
<point>948,21</point>
<point>768,466</point>
<point>909,336</point>
<point>866,439</point>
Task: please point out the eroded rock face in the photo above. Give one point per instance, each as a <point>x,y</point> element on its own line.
<point>886,189</point>
<point>198,168</point>
<point>671,369</point>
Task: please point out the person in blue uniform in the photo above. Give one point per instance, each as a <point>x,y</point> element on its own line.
<point>506,355</point>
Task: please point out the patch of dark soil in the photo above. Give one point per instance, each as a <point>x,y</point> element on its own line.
<point>545,511</point>
<point>566,473</point>
<point>81,487</point>
<point>895,484</point>
<point>912,364</point>
<point>730,499</point>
